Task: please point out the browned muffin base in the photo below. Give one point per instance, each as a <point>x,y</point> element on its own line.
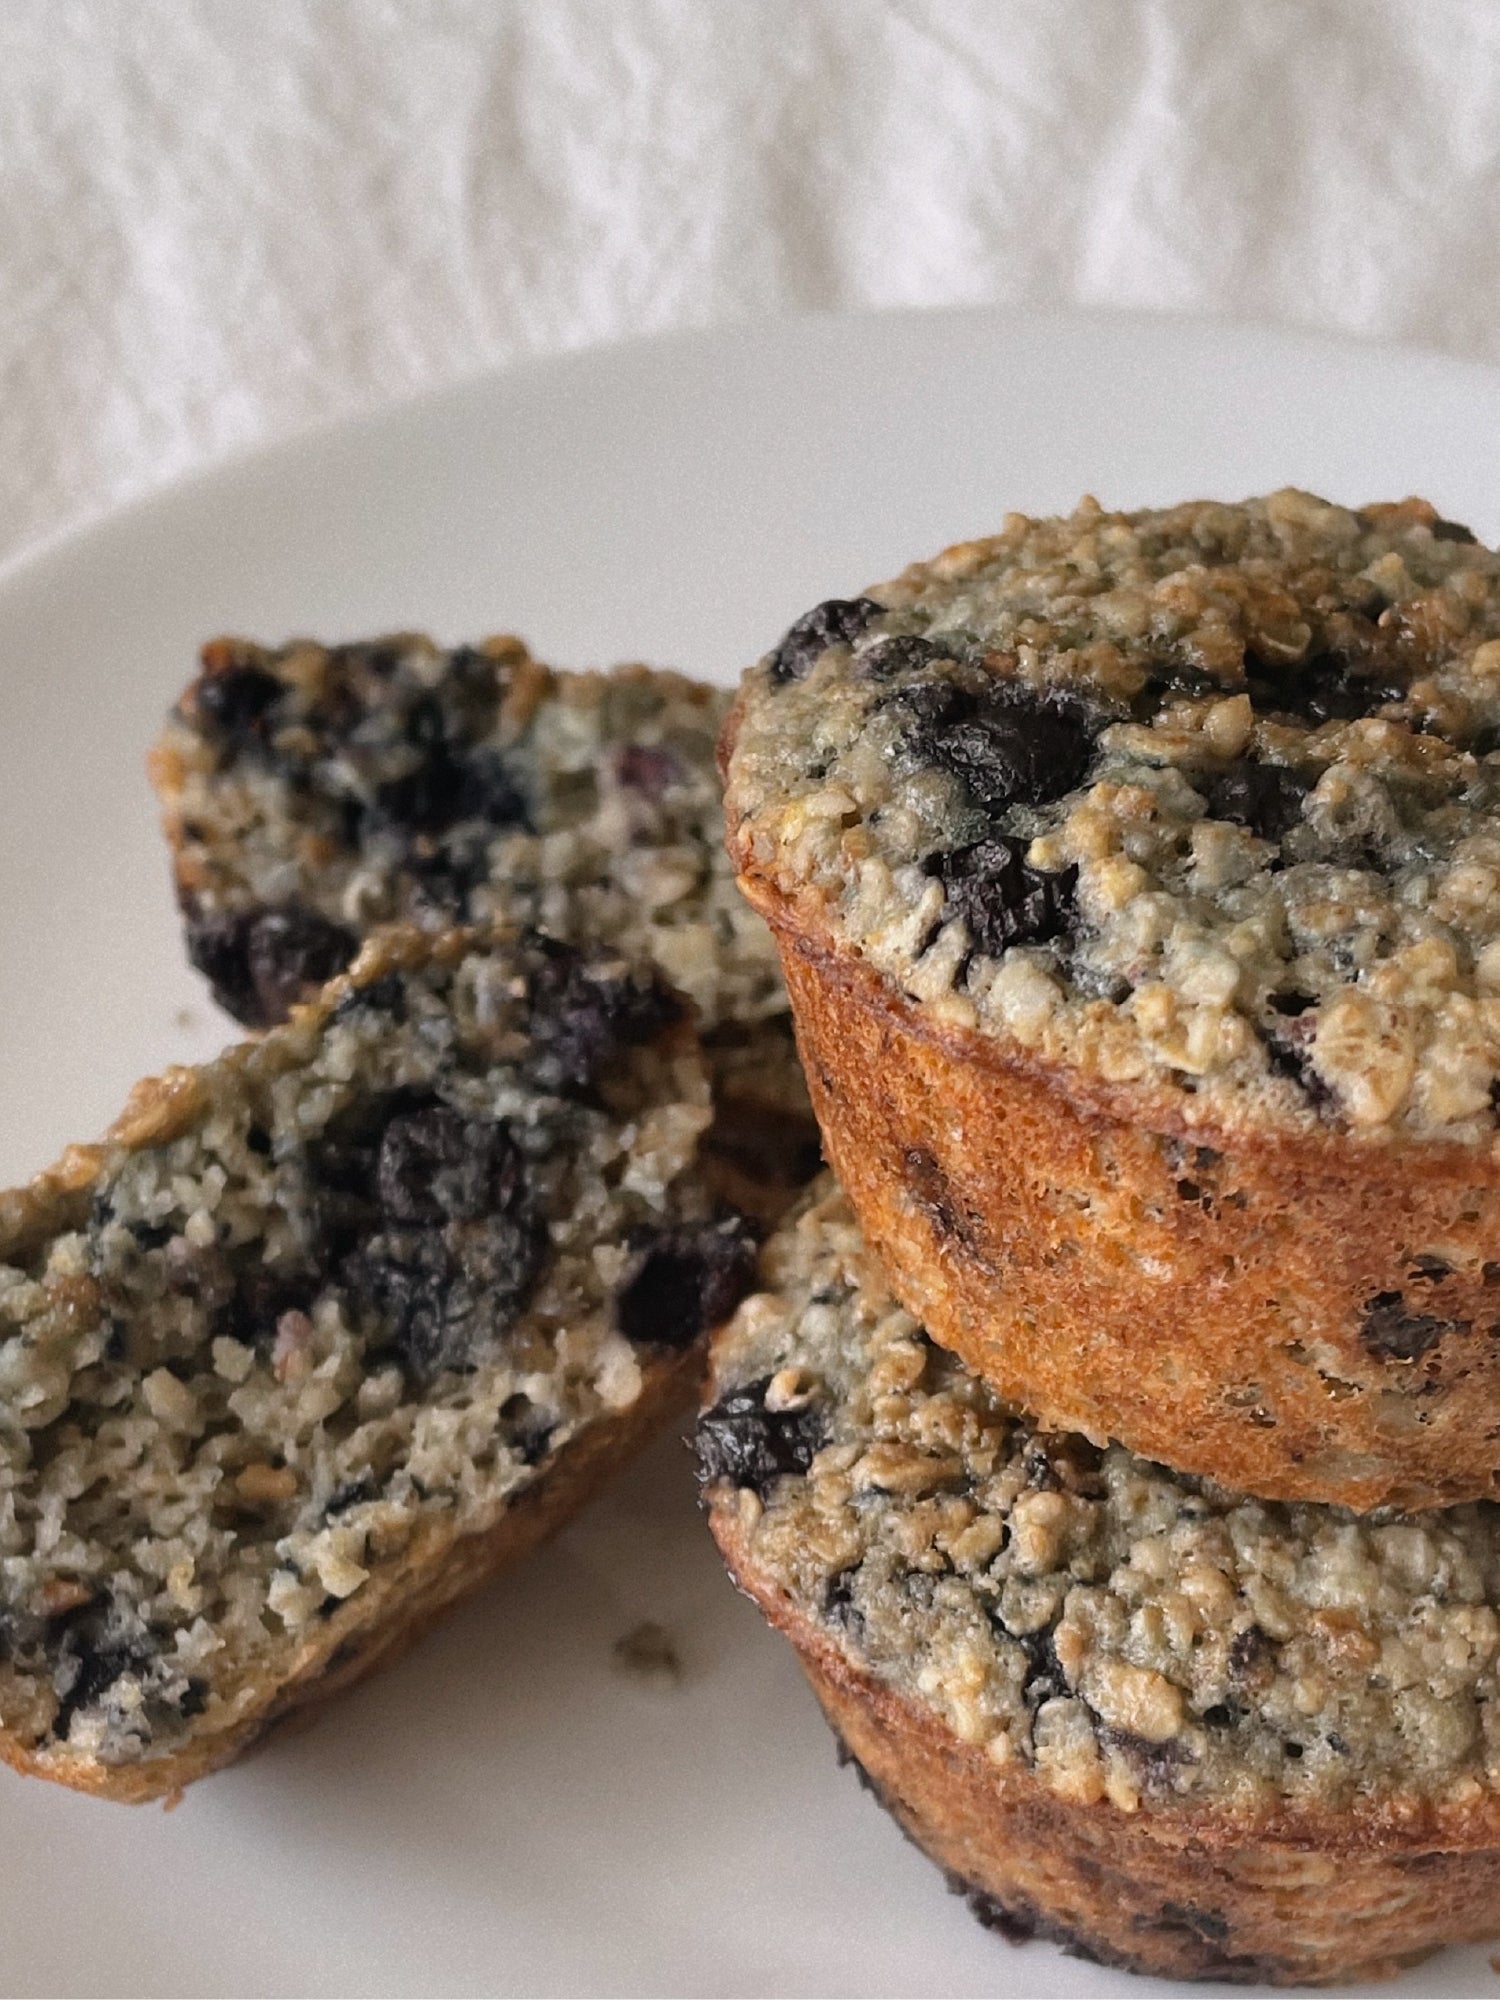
<point>1190,1896</point>
<point>1314,1319</point>
<point>399,1604</point>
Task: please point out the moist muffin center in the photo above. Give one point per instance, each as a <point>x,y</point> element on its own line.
<point>1206,798</point>
<point>381,1272</point>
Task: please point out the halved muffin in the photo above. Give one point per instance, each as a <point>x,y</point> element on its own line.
<point>312,793</point>
<point>329,1329</point>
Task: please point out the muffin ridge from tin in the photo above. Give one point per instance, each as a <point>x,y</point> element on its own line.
<point>1133,880</point>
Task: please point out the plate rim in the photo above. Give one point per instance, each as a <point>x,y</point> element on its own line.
<point>264,454</point>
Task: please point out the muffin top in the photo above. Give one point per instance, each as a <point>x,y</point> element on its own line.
<point>1203,802</point>
<point>1124,1631</point>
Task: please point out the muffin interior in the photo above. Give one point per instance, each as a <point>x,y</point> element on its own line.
<point>352,1286</point>
<point>315,792</point>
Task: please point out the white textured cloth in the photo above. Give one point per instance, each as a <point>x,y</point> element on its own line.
<point>221,220</point>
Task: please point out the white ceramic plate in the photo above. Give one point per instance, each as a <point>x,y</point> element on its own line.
<point>505,1812</point>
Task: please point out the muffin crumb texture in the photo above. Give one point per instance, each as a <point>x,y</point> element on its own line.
<point>1203,800</point>
<point>314,792</point>
<point>324,1307</point>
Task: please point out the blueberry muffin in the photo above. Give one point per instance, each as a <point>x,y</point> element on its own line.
<point>331,1328</point>
<point>1137,880</point>
<point>1172,1727</point>
<point>312,793</point>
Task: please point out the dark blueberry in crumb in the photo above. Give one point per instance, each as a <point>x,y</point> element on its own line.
<point>1337,1744</point>
<point>235,703</point>
<point>1290,1004</point>
<point>1326,687</point>
<point>386,995</point>
<point>1044,1677</point>
<point>435,1165</point>
<point>742,1441</point>
<point>489,790</point>
<point>685,1280</point>
<point>458,1239</point>
<point>218,946</point>
<point>260,963</point>
<point>1016,745</point>
<point>85,1673</point>
<point>838,1604</point>
<point>837,622</point>
<point>1002,899</point>
<point>350,1493</point>
<point>262,1293</point>
<point>1152,1763</point>
<point>583,1013</point>
<point>925,708</point>
<point>1393,1333</point>
<point>903,653</point>
<point>1266,798</point>
<point>1293,1060</point>
<point>529,1429</point>
<point>292,952</point>
<point>1453,531</point>
<point>447,783</point>
<point>647,769</point>
<point>1251,1654</point>
<point>193,1699</point>
<point>1182,679</point>
<point>425,801</point>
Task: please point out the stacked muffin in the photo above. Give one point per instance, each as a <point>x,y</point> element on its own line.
<point>1128,1498</point>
